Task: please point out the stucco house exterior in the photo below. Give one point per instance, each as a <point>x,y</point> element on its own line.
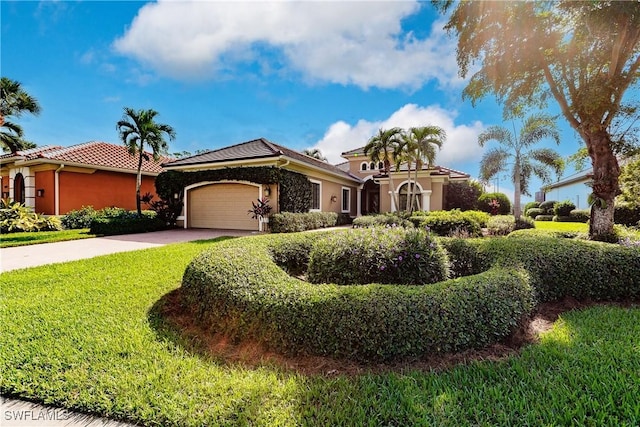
<point>54,180</point>
<point>574,188</point>
<point>353,188</point>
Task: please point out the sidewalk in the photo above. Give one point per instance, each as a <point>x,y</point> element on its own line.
<point>19,413</point>
<point>50,253</point>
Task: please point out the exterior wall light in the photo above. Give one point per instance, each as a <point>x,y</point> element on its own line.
<point>40,192</point>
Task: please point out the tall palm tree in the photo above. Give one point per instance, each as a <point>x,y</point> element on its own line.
<point>14,101</point>
<point>513,153</point>
<point>138,129</point>
<point>425,139</point>
<point>383,147</point>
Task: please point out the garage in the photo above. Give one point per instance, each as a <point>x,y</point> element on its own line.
<point>222,205</point>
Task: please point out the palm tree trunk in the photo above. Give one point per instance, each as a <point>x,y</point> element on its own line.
<point>605,184</point>
<point>139,180</point>
<point>394,196</point>
<point>409,186</point>
<point>517,211</point>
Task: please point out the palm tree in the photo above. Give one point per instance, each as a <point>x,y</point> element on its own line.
<point>138,129</point>
<point>523,163</point>
<point>424,139</point>
<point>14,101</point>
<point>315,153</point>
<point>383,147</point>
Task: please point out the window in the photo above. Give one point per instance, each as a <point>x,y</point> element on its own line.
<point>346,200</point>
<point>363,166</point>
<point>372,166</point>
<point>404,193</point>
<point>380,165</point>
<point>316,191</point>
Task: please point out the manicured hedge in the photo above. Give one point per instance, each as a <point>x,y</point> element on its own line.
<point>450,223</point>
<point>287,222</point>
<point>237,290</point>
<point>240,289</point>
<point>378,255</point>
<point>391,219</point>
<point>121,221</point>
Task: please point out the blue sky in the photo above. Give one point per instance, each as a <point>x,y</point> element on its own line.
<point>302,74</point>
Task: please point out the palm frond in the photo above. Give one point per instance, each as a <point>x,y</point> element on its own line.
<point>493,162</point>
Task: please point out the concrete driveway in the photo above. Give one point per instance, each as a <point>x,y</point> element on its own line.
<point>50,253</point>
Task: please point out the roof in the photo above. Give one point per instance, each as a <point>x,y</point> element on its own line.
<point>94,154</point>
<point>582,176</point>
<point>260,148</point>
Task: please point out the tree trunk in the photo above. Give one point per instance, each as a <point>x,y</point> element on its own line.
<point>394,196</point>
<point>517,210</point>
<point>139,182</point>
<point>604,183</point>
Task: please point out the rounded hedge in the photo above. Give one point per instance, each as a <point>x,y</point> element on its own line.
<point>378,255</point>
<point>236,289</point>
<point>239,289</point>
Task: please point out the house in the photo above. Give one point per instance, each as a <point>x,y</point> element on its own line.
<point>55,180</point>
<point>574,188</point>
<point>353,188</point>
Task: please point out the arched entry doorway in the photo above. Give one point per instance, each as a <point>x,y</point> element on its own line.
<point>404,193</point>
<point>370,198</point>
<point>18,188</point>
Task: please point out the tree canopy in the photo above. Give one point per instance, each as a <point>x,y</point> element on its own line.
<point>584,55</point>
<point>14,101</point>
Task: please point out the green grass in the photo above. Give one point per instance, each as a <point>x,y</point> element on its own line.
<point>562,226</point>
<point>23,239</point>
<point>82,335</point>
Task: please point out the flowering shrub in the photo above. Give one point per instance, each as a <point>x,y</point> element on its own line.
<point>378,255</point>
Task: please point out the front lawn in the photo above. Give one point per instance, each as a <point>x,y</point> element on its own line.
<point>35,238</point>
<point>578,227</point>
<point>83,335</point>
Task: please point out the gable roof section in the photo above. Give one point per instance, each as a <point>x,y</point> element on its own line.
<point>260,148</point>
<point>90,154</point>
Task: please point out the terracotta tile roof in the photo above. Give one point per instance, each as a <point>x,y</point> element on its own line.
<point>256,149</point>
<point>94,153</point>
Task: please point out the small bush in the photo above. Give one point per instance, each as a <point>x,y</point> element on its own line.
<point>16,217</point>
<point>530,205</point>
<point>626,214</point>
<point>501,225</point>
<point>463,256</point>
<point>557,218</point>
<point>80,218</point>
<point>378,255</point>
<point>287,222</point>
<point>548,233</point>
<point>524,223</point>
<point>580,215</point>
<point>534,212</point>
<point>485,203</point>
<point>478,216</point>
<point>449,223</point>
<point>563,209</point>
<point>544,218</point>
<point>547,207</point>
<point>390,219</point>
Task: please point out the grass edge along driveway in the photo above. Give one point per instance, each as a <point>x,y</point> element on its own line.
<point>80,335</point>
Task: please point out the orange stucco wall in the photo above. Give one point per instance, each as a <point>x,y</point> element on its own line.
<point>45,203</point>
<point>101,189</point>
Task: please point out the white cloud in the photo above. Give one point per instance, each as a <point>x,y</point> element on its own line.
<point>461,144</point>
<point>360,43</point>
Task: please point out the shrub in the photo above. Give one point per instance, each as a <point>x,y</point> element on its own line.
<point>237,290</point>
<point>378,255</point>
<point>390,219</point>
<point>563,209</point>
<point>485,203</point>
<point>449,223</point>
<point>524,223</point>
<point>463,256</point>
<point>287,222</point>
<point>462,195</point>
<point>580,215</point>
<point>530,205</point>
<point>548,233</point>
<point>626,214</point>
<point>114,221</point>
<point>80,218</point>
<point>501,225</point>
<point>557,218</point>
<point>547,207</point>
<point>16,217</point>
<point>478,216</point>
<point>534,212</point>
<point>544,218</point>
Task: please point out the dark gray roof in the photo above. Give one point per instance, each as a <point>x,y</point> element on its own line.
<point>260,148</point>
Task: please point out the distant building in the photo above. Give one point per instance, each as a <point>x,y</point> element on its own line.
<point>574,188</point>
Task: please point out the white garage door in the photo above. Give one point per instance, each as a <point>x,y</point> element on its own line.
<point>222,206</point>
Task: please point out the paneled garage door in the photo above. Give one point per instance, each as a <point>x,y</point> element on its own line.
<point>222,206</point>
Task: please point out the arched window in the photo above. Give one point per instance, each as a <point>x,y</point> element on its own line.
<point>363,166</point>
<point>404,193</point>
<point>18,188</point>
<point>372,166</point>
<point>380,165</point>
